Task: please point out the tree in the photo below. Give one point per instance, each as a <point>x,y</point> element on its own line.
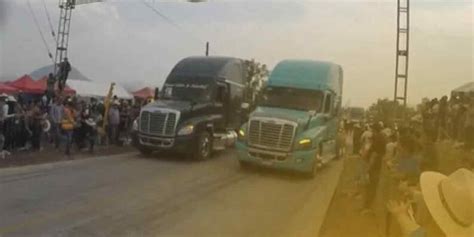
<point>389,112</point>
<point>257,74</point>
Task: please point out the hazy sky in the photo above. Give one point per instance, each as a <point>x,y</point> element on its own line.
<point>125,41</point>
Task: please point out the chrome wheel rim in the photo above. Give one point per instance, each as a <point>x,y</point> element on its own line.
<point>205,147</point>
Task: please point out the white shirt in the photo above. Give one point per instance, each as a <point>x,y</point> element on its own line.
<point>366,136</point>
<point>5,109</point>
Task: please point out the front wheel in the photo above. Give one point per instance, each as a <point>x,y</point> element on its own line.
<point>203,148</point>
<point>312,173</point>
<point>244,164</point>
<point>145,151</point>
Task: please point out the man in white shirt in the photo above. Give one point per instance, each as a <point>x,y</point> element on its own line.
<point>3,116</point>
<point>366,138</point>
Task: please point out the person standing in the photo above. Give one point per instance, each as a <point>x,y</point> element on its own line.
<point>469,125</point>
<point>79,136</point>
<point>56,113</point>
<point>114,121</point>
<point>125,123</point>
<point>456,116</point>
<point>442,118</point>
<point>3,115</point>
<point>408,166</point>
<point>366,139</point>
<point>64,69</point>
<point>20,133</point>
<point>90,128</point>
<point>50,82</point>
<point>67,124</point>
<point>36,128</point>
<point>375,155</point>
<point>356,143</point>
<point>9,123</point>
<point>340,142</point>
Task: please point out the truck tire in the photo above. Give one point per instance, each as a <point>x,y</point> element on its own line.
<point>312,173</point>
<point>203,147</point>
<point>145,151</point>
<point>245,165</point>
<point>314,169</point>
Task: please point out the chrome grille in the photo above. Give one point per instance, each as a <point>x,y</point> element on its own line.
<point>271,135</point>
<point>145,121</point>
<point>169,129</point>
<point>158,123</point>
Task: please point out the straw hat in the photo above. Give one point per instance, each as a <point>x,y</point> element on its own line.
<point>450,201</point>
<point>90,122</point>
<point>11,98</point>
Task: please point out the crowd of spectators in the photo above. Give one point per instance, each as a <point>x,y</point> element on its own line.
<point>63,123</point>
<point>449,119</point>
<point>401,164</point>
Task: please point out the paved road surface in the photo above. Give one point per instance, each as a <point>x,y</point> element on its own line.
<point>128,195</point>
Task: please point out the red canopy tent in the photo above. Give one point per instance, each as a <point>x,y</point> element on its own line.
<point>27,85</point>
<point>144,93</point>
<point>4,88</point>
<point>44,81</point>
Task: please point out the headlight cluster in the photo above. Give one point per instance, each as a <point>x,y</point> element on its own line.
<point>186,130</point>
<point>304,143</point>
<point>241,135</point>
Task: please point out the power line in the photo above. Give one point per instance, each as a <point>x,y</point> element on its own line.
<point>166,18</point>
<point>49,21</point>
<point>170,21</point>
<point>39,29</point>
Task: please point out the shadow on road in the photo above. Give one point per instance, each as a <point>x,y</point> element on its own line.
<point>283,174</point>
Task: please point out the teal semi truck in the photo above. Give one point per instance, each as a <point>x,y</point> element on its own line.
<point>295,123</point>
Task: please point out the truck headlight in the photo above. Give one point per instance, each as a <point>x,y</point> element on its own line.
<point>135,125</point>
<point>305,143</point>
<point>241,134</point>
<point>186,130</point>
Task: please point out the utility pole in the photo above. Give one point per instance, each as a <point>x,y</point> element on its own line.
<point>402,53</point>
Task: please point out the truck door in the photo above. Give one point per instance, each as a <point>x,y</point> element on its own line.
<point>329,140</point>
<point>222,104</point>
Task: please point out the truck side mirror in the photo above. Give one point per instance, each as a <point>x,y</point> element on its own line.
<point>245,106</point>
<point>326,117</point>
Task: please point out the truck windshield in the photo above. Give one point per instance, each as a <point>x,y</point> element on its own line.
<point>195,89</point>
<point>291,98</point>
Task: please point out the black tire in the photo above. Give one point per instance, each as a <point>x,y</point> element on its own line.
<point>203,148</point>
<point>245,165</point>
<point>311,174</point>
<point>145,151</point>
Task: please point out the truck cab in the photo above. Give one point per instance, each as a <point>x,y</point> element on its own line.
<point>199,109</point>
<point>295,124</point>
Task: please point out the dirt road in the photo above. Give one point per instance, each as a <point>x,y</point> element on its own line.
<point>129,195</point>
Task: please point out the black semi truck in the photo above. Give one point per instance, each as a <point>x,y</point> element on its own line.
<point>200,108</point>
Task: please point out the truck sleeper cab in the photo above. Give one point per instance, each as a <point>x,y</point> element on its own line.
<point>295,125</point>
<point>199,109</point>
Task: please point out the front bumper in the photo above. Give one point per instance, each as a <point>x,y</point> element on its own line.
<point>182,144</point>
<point>301,160</point>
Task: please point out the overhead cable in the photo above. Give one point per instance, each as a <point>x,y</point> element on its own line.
<point>49,21</point>
<point>39,30</point>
